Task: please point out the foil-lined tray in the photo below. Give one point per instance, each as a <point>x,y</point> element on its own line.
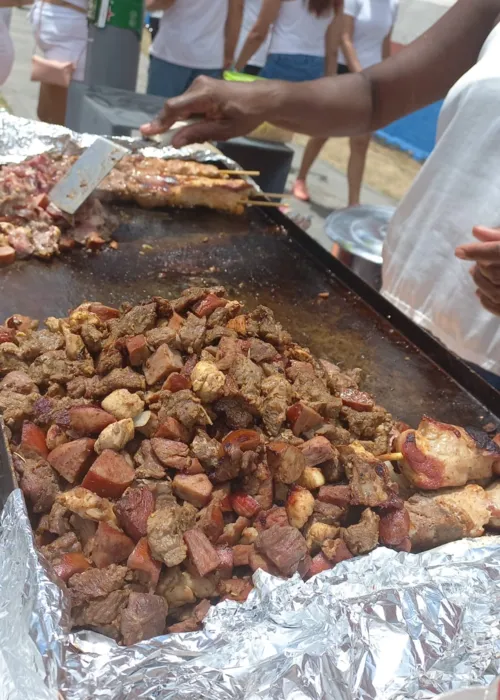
<point>387,626</point>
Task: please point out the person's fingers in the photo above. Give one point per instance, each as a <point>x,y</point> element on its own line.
<point>489,305</point>
<point>485,234</point>
<point>206,130</point>
<point>485,286</point>
<point>491,271</point>
<point>481,252</point>
<point>197,100</point>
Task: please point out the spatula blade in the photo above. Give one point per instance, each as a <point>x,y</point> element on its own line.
<point>86,174</point>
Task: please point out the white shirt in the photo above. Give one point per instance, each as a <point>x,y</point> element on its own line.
<point>250,14</point>
<point>297,31</point>
<point>6,46</point>
<point>374,20</point>
<point>458,187</point>
<point>191,34</point>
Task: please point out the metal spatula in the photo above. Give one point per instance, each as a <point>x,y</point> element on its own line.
<point>86,174</point>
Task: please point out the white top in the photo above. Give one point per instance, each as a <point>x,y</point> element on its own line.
<point>458,187</point>
<point>6,46</point>
<point>250,14</point>
<point>191,34</point>
<point>374,20</point>
<point>297,31</point>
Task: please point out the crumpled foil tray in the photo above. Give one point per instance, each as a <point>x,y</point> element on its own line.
<point>387,626</point>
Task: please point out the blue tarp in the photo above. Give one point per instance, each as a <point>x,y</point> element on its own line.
<point>414,134</point>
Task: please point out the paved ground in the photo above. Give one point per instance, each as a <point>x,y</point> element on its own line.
<point>327,183</point>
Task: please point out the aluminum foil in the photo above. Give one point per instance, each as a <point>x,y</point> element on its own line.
<point>386,626</point>
<point>24,138</point>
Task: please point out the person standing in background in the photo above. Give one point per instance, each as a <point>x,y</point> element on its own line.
<point>196,37</point>
<point>256,62</point>
<point>365,41</point>
<point>61,34</point>
<point>303,39</point>
<point>6,46</point>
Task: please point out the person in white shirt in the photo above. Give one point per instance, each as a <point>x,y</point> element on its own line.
<point>196,37</point>
<point>6,46</point>
<point>61,34</point>
<point>251,13</point>
<point>301,39</point>
<point>365,41</point>
<point>433,236</point>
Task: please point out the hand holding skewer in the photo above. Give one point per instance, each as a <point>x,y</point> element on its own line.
<point>486,272</point>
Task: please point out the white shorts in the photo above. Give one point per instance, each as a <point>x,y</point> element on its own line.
<point>6,46</point>
<point>61,34</point>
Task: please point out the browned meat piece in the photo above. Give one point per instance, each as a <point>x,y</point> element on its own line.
<point>303,418</point>
<point>72,459</point>
<point>143,618</point>
<point>162,335</point>
<point>363,537</point>
<point>165,530</point>
<point>237,589</point>
<point>33,442</point>
<point>317,451</point>
<point>141,560</point>
<point>319,563</point>
<point>92,337</point>
<point>316,533</point>
<point>133,510</point>
<point>243,504</point>
<point>62,545</point>
<point>308,387</point>
<point>192,334</point>
<point>228,350</point>
<point>267,327</point>
<point>109,476</point>
<point>148,466</point>
<point>241,553</point>
<point>96,583</point>
<point>39,485</point>
<point>211,521</point>
<point>85,529</point>
<point>248,378</point>
<point>274,516</point>
<point>55,437</point>
<point>15,408</point>
<point>125,378</point>
<point>110,358</point>
<point>235,411</point>
<point>193,294</point>
<point>176,382</point>
<point>226,561</point>
<point>207,450</point>
<point>364,424</point>
<point>232,531</point>
<point>7,335</point>
<point>111,546</point>
<point>196,489</point>
<point>39,342</point>
<point>175,455</point>
<point>336,550</point>
<point>358,400</point>
<point>54,366</point>
<point>89,420</point>
<point>328,513</point>
<point>57,521</point>
<point>87,505</point>
<point>70,564</point>
<point>277,394</point>
<point>138,320</point>
<point>447,516</point>
<point>201,553</point>
<point>285,548</point>
<point>184,407</point>
<point>11,359</point>
<point>171,429</point>
<point>337,495</point>
<point>192,623</point>
<point>394,529</point>
<point>440,455</point>
<point>286,461</point>
<point>18,382</point>
<point>335,433</point>
<point>102,614</point>
<point>163,362</point>
<point>206,306</point>
<point>137,349</point>
<point>370,480</point>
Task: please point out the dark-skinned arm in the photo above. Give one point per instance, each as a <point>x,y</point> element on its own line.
<point>345,105</point>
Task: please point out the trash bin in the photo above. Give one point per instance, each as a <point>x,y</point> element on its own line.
<point>358,235</point>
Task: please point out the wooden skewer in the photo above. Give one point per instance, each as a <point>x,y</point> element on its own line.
<point>240,172</point>
<point>254,203</point>
<point>272,194</point>
<point>390,457</point>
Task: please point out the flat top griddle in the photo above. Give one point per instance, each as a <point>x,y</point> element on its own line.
<point>261,262</point>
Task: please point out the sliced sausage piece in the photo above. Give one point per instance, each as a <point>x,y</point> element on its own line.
<point>211,521</point>
<point>171,429</point>
<point>110,546</point>
<point>286,461</point>
<point>72,459</point>
<point>33,441</point>
<point>7,255</point>
<point>70,564</point>
<point>142,560</point>
<point>317,450</point>
<point>133,510</point>
<point>358,400</point>
<point>109,476</point>
<point>138,351</point>
<point>303,418</point>
<point>208,304</point>
<point>89,420</point>
<point>105,313</point>
<point>201,552</point>
<point>244,504</point>
<point>319,563</point>
<point>162,363</point>
<point>176,382</point>
<point>194,488</point>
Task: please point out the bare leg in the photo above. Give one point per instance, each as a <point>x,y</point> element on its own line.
<point>357,160</point>
<point>311,152</point>
<point>52,104</point>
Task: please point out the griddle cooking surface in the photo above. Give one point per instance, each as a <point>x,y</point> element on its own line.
<point>163,253</point>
